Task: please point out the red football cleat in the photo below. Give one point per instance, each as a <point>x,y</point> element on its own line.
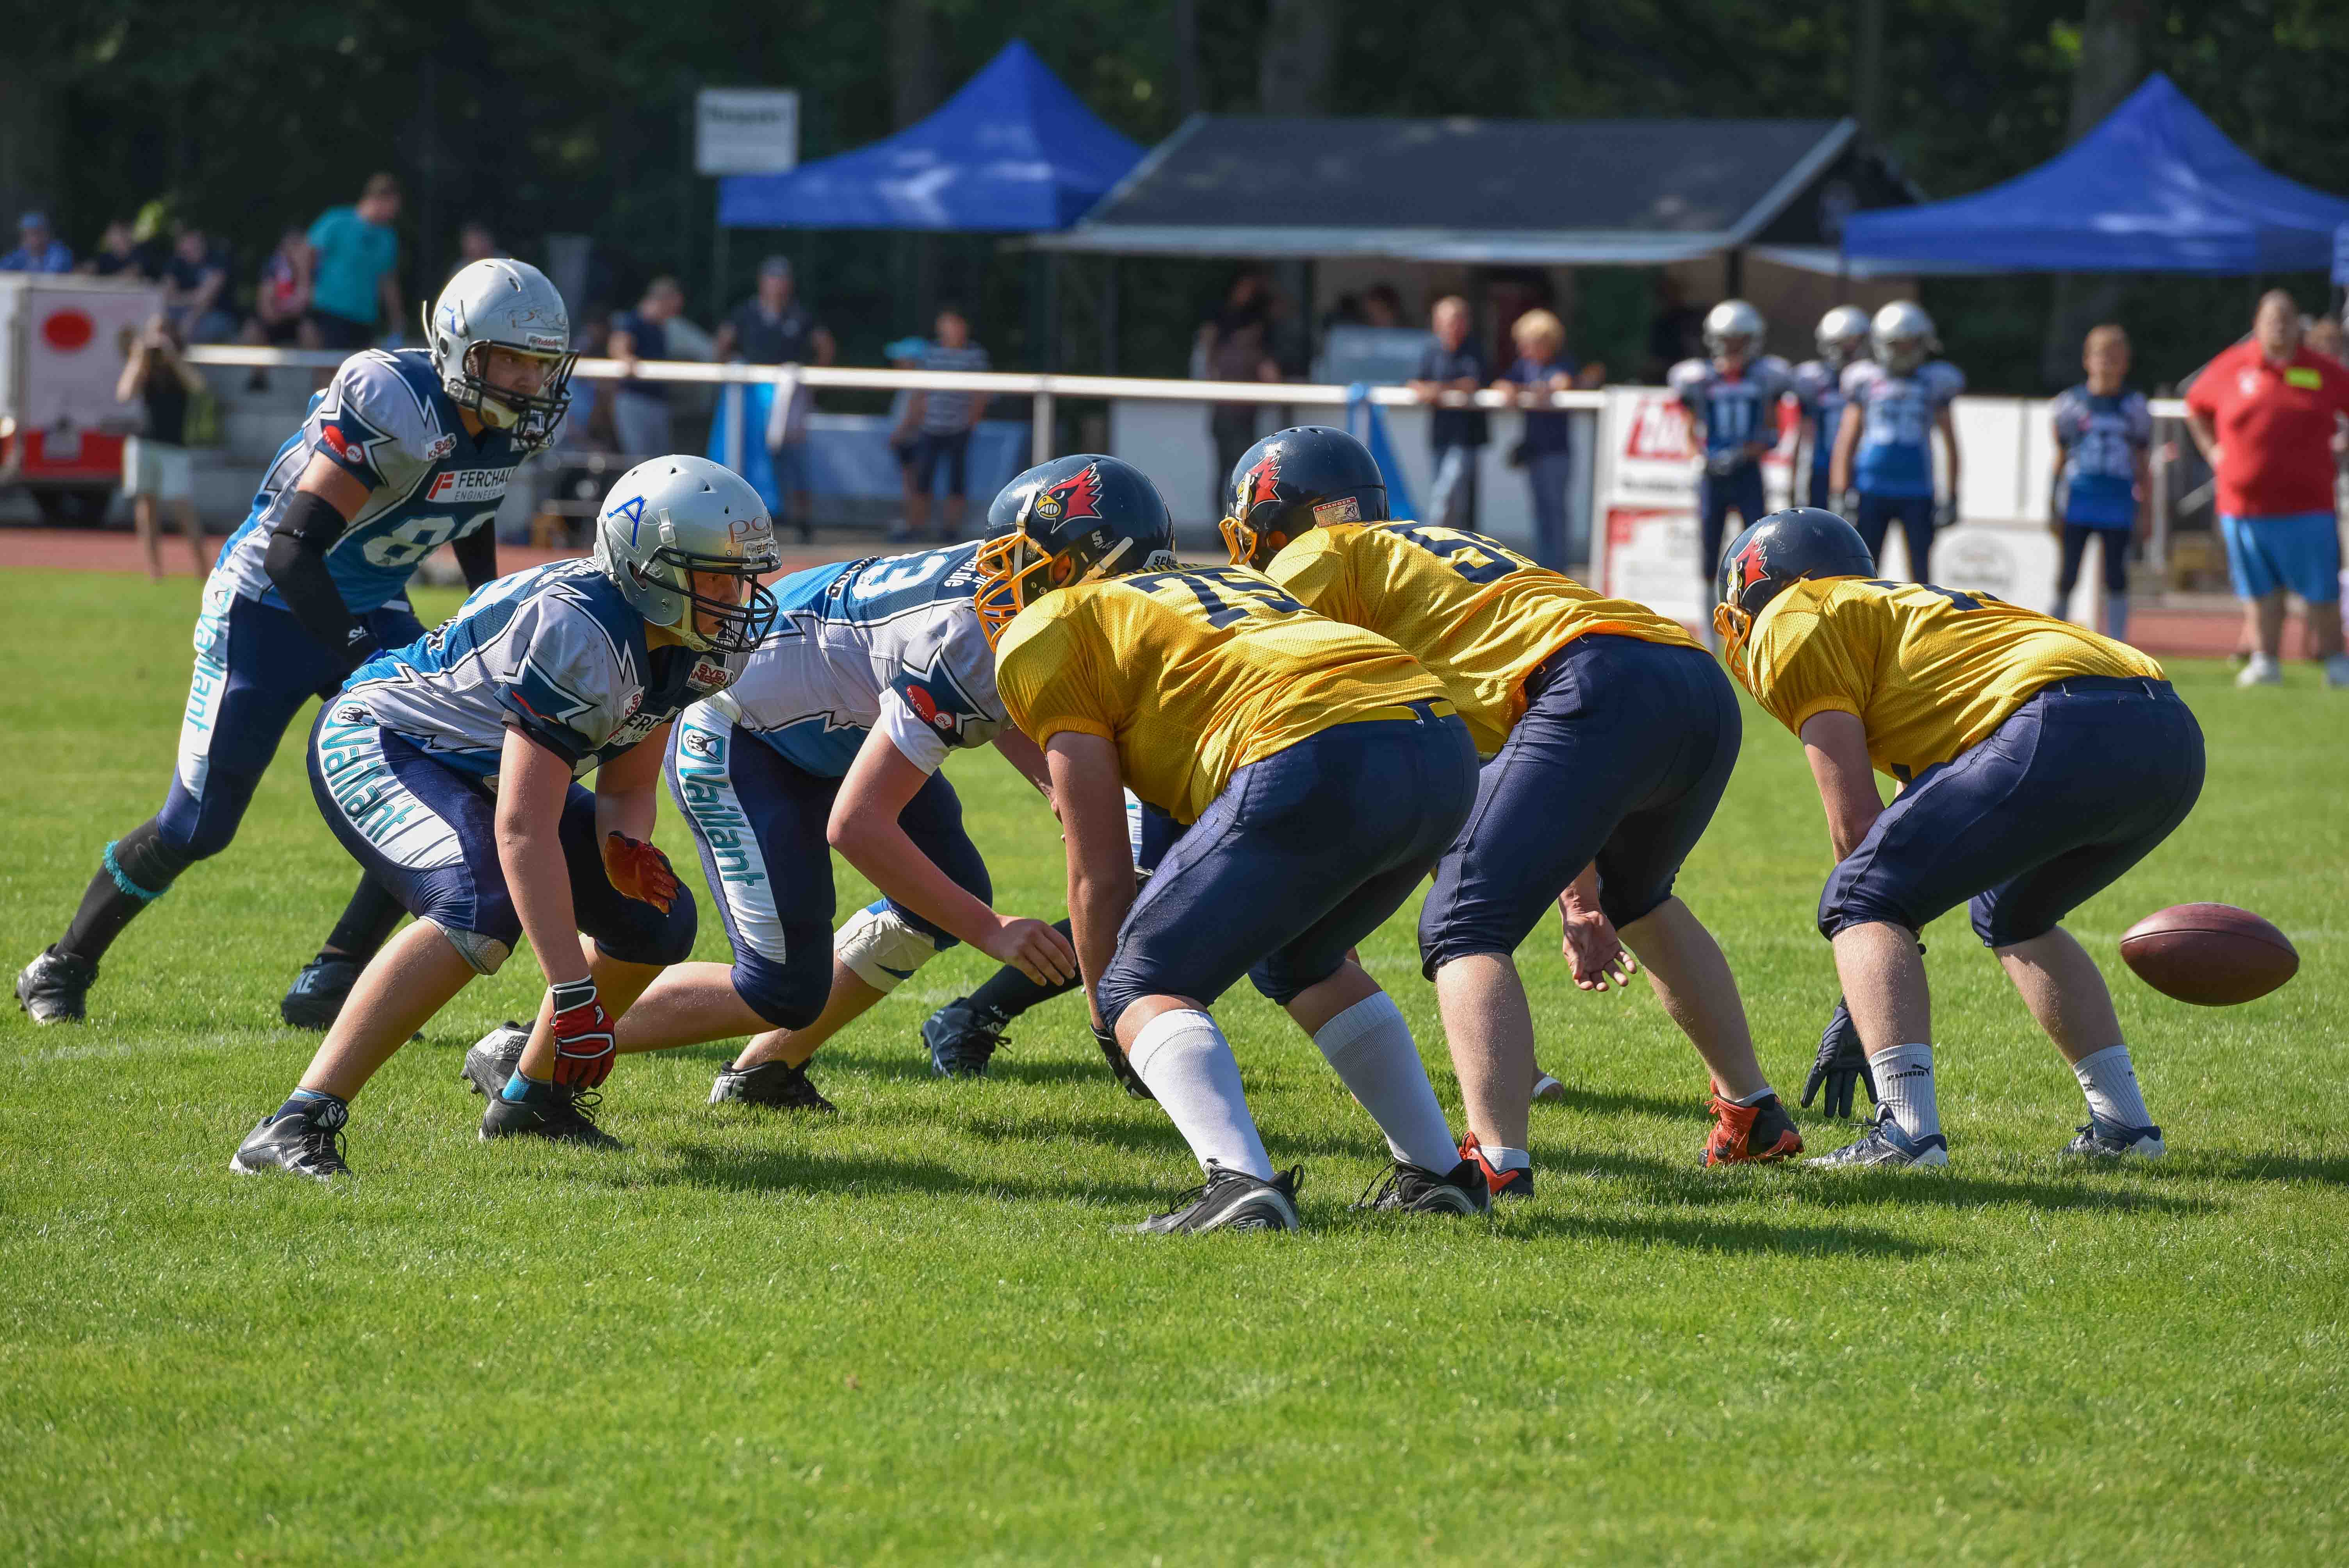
<point>1502,1183</point>
<point>1751,1134</point>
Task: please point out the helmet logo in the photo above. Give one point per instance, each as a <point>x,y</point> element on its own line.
<point>1073,499</point>
<point>1345,509</point>
<point>633,509</point>
<point>1262,482</point>
<point>1750,568</point>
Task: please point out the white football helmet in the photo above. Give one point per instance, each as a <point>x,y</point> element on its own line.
<point>507,304</point>
<point>1902,334</point>
<point>1842,337</point>
<point>665,520</point>
<point>1733,326</point>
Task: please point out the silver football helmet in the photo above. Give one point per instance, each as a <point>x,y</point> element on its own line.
<point>504,305</point>
<point>1733,326</point>
<point>1902,335</point>
<point>667,520</point>
<point>1842,337</point>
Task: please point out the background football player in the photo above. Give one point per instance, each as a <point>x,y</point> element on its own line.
<point>400,453</point>
<point>1319,771</point>
<point>1818,386</point>
<point>450,769</point>
<point>1732,396</point>
<point>1883,454</point>
<point>2104,438</point>
<point>2005,729</point>
<point>1611,736</point>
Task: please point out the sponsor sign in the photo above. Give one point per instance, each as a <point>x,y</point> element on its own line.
<point>459,486</point>
<point>746,130</point>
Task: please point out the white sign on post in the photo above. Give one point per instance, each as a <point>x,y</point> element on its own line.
<point>746,130</point>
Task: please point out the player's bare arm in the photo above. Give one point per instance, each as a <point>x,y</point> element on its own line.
<point>1087,788</point>
<point>1847,443</point>
<point>1836,743</point>
<point>531,783</point>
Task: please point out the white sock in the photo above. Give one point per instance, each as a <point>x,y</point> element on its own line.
<point>2109,1080</point>
<point>1904,1082</point>
<point>1506,1159</point>
<point>1370,1047</point>
<point>1186,1062</point>
<point>1757,1097</point>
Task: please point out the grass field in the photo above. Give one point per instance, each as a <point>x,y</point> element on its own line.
<point>909,1333</point>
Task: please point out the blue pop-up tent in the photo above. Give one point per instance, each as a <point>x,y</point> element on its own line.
<point>1014,151</point>
<point>2155,188</point>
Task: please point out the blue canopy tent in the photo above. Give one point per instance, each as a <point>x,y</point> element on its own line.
<point>2155,188</point>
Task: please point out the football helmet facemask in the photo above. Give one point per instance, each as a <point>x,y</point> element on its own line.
<point>1294,479</point>
<point>667,520</point>
<point>1086,517</point>
<point>508,305</point>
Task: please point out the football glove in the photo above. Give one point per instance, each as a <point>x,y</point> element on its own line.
<point>1121,1068</point>
<point>640,871</point>
<point>1945,515</point>
<point>584,1047</point>
<point>1841,1062</point>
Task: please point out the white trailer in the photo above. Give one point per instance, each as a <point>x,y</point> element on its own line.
<point>62,341</point>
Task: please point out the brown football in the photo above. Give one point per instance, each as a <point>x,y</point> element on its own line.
<point>2211,955</point>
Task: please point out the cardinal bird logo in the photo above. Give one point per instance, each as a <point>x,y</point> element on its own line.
<point>1076,498</point>
<point>1749,569</point>
<point>1260,484</point>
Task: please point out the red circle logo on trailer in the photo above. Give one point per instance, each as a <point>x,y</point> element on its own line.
<point>68,331</point>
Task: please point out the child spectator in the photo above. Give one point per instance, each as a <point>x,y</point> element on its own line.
<point>2103,433</point>
<point>947,420</point>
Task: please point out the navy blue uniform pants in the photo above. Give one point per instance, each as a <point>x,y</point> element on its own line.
<point>1914,513</point>
<point>1718,495</point>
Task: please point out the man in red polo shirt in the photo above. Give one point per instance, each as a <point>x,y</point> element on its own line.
<point>2264,413</point>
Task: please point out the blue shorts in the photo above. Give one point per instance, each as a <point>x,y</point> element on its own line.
<point>758,820</point>
<point>255,666</point>
<point>1303,855</point>
<point>1620,759</point>
<point>2299,551</point>
<point>1875,516</point>
<point>428,834</point>
<point>2078,785</point>
<point>1718,495</point>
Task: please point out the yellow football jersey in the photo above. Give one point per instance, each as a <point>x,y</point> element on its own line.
<point>1193,674</point>
<point>1479,617</point>
<point>1928,671</point>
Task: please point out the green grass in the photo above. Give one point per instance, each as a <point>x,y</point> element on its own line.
<point>909,1333</point>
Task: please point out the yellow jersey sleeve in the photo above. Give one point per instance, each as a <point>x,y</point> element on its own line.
<point>1931,672</point>
<point>1479,617</point>
<point>1194,674</point>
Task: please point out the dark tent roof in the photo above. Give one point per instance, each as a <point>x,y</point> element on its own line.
<point>1014,150</point>
<point>1636,190</point>
<point>2156,187</point>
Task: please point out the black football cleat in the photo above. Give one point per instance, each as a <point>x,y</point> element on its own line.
<point>1230,1200</point>
<point>1499,1184</point>
<point>963,1038</point>
<point>320,990</point>
<point>1411,1189</point>
<point>493,1058</point>
<point>777,1085</point>
<point>297,1145</point>
<point>2109,1140</point>
<point>561,1115</point>
<point>55,987</point>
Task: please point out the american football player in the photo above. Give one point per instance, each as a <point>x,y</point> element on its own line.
<point>1885,454</point>
<point>450,769</point>
<point>400,453</point>
<point>1611,736</point>
<point>2005,729</point>
<point>1319,772</point>
<point>1732,396</point>
<point>1818,386</point>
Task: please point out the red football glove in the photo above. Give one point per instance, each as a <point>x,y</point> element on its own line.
<point>583,1045</point>
<point>640,871</point>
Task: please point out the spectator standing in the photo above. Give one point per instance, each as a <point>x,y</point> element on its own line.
<point>351,270</point>
<point>773,327</point>
<point>1452,364</point>
<point>2264,412</point>
<point>1233,347</point>
<point>946,421</point>
<point>156,472</point>
<point>193,282</point>
<point>640,409</point>
<point>38,250</point>
<point>2103,434</point>
<point>1884,443</point>
<point>1541,368</point>
<point>279,299</point>
<point>904,427</point>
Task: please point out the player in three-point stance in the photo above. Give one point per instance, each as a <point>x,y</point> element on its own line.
<point>450,769</point>
<point>2006,729</point>
<point>1732,396</point>
<point>832,738</point>
<point>1611,736</point>
<point>1319,771</point>
<point>400,453</point>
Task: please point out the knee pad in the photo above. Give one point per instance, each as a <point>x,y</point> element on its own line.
<point>882,948</point>
<point>791,992</point>
<point>487,955</point>
<point>144,863</point>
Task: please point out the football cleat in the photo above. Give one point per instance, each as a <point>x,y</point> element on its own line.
<point>1415,1190</point>
<point>1751,1134</point>
<point>1886,1144</point>
<point>963,1038</point>
<point>778,1084</point>
<point>2111,1140</point>
<point>55,987</point>
<point>560,1115</point>
<point>2263,670</point>
<point>297,1145</point>
<point>1517,1184</point>
<point>493,1058</point>
<point>1230,1200</point>
<point>1547,1087</point>
<point>319,992</point>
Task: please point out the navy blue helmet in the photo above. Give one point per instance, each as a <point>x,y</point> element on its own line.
<point>1072,520</point>
<point>1778,551</point>
<point>1294,480</point>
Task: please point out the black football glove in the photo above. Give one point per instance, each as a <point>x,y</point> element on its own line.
<point>1121,1068</point>
<point>1841,1063</point>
